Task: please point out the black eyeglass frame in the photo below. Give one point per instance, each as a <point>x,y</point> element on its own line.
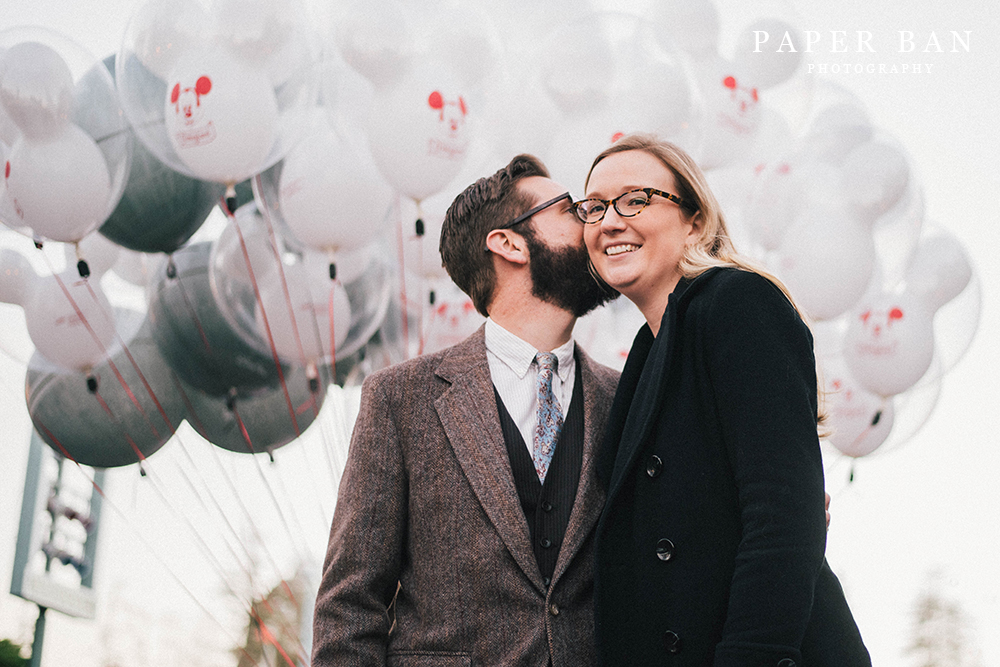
<point>541,207</point>
<point>687,206</point>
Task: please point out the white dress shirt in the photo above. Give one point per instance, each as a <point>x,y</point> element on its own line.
<point>514,371</point>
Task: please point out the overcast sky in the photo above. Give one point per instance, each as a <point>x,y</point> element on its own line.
<point>926,506</point>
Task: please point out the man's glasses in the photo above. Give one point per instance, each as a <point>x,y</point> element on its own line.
<point>629,204</point>
<point>530,212</point>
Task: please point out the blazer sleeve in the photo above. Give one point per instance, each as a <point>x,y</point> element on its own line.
<point>365,553</point>
<point>763,377</point>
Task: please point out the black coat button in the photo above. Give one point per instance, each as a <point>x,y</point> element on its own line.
<point>664,549</point>
<point>672,641</point>
<point>654,466</point>
<point>546,506</point>
<point>546,542</point>
<point>786,662</point>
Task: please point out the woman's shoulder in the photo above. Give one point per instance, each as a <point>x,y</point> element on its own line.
<point>727,283</point>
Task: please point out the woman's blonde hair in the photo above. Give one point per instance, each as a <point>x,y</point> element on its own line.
<point>714,246</point>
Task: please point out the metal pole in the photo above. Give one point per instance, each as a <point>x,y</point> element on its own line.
<point>36,645</point>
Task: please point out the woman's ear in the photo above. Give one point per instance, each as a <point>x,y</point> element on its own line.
<point>697,223</point>
<point>507,244</point>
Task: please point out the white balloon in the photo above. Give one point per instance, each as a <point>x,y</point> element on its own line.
<point>266,34</point>
<point>692,24</point>
<point>889,344</point>
<point>826,259</point>
<point>99,252</point>
<point>331,196</point>
<point>221,116</point>
<point>419,130</point>
<point>61,187</point>
<point>164,29</point>
<point>16,277</point>
<point>72,331</point>
<point>376,39</point>
<point>36,89</point>
<point>875,175</point>
<point>766,66</point>
<point>312,307</point>
<point>860,420</point>
<point>731,113</point>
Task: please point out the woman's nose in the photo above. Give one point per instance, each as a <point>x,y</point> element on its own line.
<point>612,221</point>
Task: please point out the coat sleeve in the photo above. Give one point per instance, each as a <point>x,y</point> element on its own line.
<point>763,377</point>
<point>365,553</point>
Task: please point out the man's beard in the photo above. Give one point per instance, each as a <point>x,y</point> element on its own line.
<point>561,276</point>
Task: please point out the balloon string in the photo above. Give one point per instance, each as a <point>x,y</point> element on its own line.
<point>145,543</point>
<point>267,326</point>
<point>142,377</point>
<point>104,351</point>
<point>225,475</point>
<point>206,550</point>
<point>266,636</point>
<point>333,341</point>
<point>243,429</point>
<point>266,214</point>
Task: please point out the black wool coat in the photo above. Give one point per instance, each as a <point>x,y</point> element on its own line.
<point>710,549</point>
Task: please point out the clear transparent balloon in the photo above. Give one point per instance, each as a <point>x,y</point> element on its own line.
<point>254,249</point>
<point>215,89</point>
<point>62,138</point>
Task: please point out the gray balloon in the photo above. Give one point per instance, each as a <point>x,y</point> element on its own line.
<point>72,420</point>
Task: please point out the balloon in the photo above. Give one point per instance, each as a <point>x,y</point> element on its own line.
<point>36,89</point>
<point>331,196</point>
<point>162,30</point>
<point>241,286</point>
<point>694,25</point>
<point>418,130</point>
<point>376,39</point>
<point>65,169</point>
<point>731,112</point>
<point>16,277</point>
<point>73,420</point>
<point>876,175</point>
<point>160,208</point>
<point>301,320</point>
<point>69,320</point>
<point>100,253</point>
<point>266,35</point>
<point>449,316</point>
<point>826,259</point>
<point>194,335</point>
<point>221,116</point>
<point>889,344</point>
<point>765,65</point>
<point>60,187</point>
<point>217,105</point>
<point>861,421</point>
<point>265,416</point>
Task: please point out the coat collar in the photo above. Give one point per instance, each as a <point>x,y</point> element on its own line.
<point>643,382</point>
<point>471,421</point>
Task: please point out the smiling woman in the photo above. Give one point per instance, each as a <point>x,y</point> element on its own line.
<point>711,459</point>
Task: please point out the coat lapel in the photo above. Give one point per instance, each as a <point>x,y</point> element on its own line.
<point>648,390</point>
<point>468,413</point>
<point>589,495</point>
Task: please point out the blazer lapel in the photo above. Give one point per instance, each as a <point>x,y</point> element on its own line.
<point>468,413</point>
<point>589,495</point>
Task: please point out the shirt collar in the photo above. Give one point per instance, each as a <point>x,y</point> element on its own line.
<point>518,354</point>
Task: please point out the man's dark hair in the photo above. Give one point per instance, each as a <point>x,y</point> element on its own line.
<point>485,205</point>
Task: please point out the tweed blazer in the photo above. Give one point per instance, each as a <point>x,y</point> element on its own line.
<point>429,561</point>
